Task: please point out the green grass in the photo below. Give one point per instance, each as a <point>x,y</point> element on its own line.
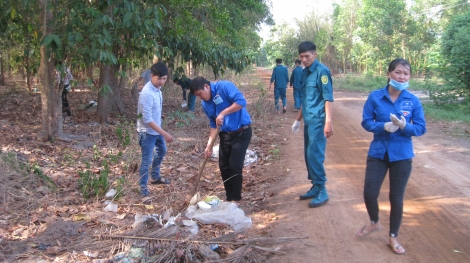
<point>369,82</point>
<point>448,112</point>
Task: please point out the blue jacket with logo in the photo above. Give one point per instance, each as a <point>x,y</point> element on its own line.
<point>229,94</point>
<point>376,113</point>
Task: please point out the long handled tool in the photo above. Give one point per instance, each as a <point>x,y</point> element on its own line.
<point>196,197</point>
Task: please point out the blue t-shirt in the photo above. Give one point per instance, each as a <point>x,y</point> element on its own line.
<point>317,87</point>
<point>280,77</point>
<point>229,94</point>
<point>296,77</point>
<point>376,113</point>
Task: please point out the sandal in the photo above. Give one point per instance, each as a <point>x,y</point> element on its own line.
<point>160,180</point>
<point>361,233</point>
<point>398,249</point>
<point>147,200</point>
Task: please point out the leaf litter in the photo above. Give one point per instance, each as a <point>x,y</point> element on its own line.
<point>44,215</point>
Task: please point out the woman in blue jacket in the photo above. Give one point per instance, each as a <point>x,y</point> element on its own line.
<point>394,115</point>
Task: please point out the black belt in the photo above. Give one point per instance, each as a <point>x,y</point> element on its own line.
<point>241,129</point>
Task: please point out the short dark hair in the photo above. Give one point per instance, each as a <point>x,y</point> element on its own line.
<point>159,69</point>
<point>297,61</point>
<point>279,60</point>
<point>198,84</point>
<point>175,80</point>
<point>307,46</point>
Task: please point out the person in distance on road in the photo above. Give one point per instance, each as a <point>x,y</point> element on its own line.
<point>280,78</point>
<point>317,111</point>
<point>393,115</point>
<point>295,82</point>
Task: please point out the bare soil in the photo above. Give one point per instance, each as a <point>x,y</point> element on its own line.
<point>436,219</point>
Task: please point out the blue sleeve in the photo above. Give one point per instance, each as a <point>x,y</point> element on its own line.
<point>416,124</point>
<point>212,122</point>
<point>233,94</point>
<point>287,75</point>
<point>369,116</point>
<point>326,85</point>
<point>146,105</point>
<point>273,75</point>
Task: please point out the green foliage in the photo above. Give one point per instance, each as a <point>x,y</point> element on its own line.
<point>124,130</point>
<point>456,56</point>
<point>179,118</point>
<point>370,82</point>
<point>120,183</point>
<point>365,83</point>
<point>91,184</point>
<point>449,112</point>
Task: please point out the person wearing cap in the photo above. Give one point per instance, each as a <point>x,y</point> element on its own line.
<point>225,107</point>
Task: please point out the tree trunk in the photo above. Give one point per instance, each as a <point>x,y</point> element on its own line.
<point>50,92</point>
<point>28,72</point>
<point>104,93</point>
<point>117,89</point>
<point>2,69</point>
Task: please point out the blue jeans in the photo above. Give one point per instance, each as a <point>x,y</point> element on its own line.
<point>153,149</point>
<point>279,92</point>
<point>191,101</point>
<point>297,98</point>
<point>399,173</point>
<point>314,152</point>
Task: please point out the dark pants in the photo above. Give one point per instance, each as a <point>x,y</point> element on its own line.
<point>399,173</point>
<point>65,102</point>
<point>232,150</point>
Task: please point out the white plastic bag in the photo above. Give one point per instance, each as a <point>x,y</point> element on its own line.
<point>223,213</point>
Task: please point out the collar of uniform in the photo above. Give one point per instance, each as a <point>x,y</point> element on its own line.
<point>213,91</point>
<point>404,93</point>
<point>312,67</point>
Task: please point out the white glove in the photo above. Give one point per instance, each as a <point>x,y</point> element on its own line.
<point>400,123</point>
<point>296,126</point>
<point>390,127</point>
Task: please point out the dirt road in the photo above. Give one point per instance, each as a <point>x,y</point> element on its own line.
<point>436,219</point>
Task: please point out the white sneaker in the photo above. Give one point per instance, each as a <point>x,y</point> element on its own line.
<point>184,104</point>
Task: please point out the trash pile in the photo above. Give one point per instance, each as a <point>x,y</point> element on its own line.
<point>250,155</point>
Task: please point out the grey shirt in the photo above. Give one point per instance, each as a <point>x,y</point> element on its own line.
<point>146,76</point>
<point>149,108</point>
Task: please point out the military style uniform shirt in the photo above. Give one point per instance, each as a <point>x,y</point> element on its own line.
<point>280,76</point>
<point>376,113</point>
<point>149,108</point>
<point>224,94</point>
<point>296,77</point>
<point>317,87</point>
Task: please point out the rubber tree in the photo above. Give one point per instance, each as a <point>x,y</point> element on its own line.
<point>51,105</point>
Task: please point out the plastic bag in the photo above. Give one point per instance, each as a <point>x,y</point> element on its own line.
<point>223,213</point>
